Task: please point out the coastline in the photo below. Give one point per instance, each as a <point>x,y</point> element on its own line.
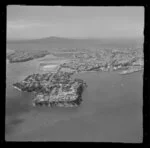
<point>130,72</point>
<point>16,88</point>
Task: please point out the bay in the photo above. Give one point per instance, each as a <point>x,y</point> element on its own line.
<point>111,110</point>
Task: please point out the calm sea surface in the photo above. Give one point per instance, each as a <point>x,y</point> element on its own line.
<point>111,109</point>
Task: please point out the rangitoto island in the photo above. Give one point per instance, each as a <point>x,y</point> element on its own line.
<point>53,89</point>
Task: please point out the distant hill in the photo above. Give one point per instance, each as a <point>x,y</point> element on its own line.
<point>63,39</point>
<point>41,40</point>
<point>59,43</point>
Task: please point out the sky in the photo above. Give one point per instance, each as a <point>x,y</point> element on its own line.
<point>31,22</point>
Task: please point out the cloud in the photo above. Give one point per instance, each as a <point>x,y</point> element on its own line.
<point>23,28</point>
<point>22,24</point>
<point>88,27</point>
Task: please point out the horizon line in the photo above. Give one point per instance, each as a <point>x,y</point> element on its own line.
<point>80,38</point>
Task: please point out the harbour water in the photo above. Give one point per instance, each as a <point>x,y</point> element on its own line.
<point>111,110</point>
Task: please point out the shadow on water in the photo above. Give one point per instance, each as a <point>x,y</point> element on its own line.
<point>9,127</point>
<point>16,106</point>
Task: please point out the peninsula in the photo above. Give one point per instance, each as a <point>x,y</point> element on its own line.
<point>53,89</point>
<point>23,56</point>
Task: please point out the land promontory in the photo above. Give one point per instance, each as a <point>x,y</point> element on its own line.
<point>53,89</point>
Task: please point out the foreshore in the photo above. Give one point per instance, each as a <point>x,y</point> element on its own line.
<point>16,88</point>
<point>130,71</point>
